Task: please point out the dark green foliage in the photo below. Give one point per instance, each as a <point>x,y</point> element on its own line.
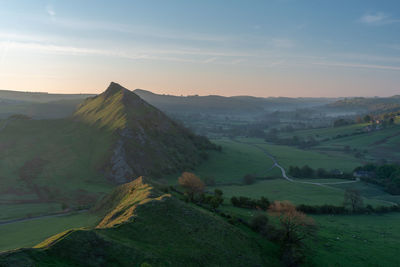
<point>324,209</point>
<point>248,203</point>
<point>259,223</point>
<point>386,175</point>
<point>308,172</point>
<point>342,122</point>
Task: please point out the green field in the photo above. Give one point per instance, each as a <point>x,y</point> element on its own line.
<point>327,132</point>
<point>233,163</point>
<point>297,193</point>
<point>358,240</point>
<point>30,233</point>
<point>15,211</point>
<point>242,157</point>
<point>375,145</point>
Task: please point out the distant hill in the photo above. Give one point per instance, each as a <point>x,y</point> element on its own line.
<point>365,104</point>
<point>38,97</point>
<point>39,105</point>
<point>227,105</point>
<point>144,225</point>
<point>148,141</point>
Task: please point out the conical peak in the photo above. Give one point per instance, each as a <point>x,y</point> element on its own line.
<point>113,89</point>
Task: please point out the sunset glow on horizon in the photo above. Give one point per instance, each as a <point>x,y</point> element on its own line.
<point>266,48</point>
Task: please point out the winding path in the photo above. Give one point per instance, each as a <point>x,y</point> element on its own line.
<point>283,171</point>
<point>284,175</point>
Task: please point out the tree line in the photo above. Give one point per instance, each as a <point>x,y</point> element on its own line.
<point>308,172</point>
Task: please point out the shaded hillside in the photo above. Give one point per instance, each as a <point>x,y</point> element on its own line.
<point>142,224</point>
<point>52,161</point>
<point>148,141</point>
<point>227,105</point>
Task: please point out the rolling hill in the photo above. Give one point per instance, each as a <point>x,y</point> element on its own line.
<point>367,104</point>
<point>39,105</point>
<point>227,105</point>
<point>142,224</point>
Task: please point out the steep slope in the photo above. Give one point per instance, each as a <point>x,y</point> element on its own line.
<point>142,224</point>
<point>148,141</point>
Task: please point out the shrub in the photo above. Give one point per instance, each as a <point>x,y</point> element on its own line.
<point>259,223</point>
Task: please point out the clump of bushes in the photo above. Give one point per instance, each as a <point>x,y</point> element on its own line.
<point>248,203</point>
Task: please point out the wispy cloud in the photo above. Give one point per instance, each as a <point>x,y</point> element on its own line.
<point>379,18</point>
<point>140,30</point>
<point>356,65</point>
<point>50,11</point>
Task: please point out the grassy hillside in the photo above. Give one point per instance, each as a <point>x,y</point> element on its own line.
<point>148,141</point>
<point>152,227</point>
<point>51,161</point>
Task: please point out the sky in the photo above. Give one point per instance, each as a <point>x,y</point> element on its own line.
<point>292,48</point>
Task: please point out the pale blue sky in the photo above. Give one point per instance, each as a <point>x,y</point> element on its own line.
<point>262,48</point>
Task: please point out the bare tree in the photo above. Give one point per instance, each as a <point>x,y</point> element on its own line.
<point>296,225</point>
<point>193,184</point>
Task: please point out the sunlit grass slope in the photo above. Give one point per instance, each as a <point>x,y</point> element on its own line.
<point>153,227</point>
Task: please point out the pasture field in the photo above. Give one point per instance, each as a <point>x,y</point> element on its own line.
<point>15,211</point>
<point>291,156</point>
<point>356,240</point>
<point>371,191</point>
<point>326,132</point>
<point>376,145</point>
<point>232,163</point>
<point>297,193</point>
<point>29,233</point>
<point>242,157</point>
<point>346,240</point>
